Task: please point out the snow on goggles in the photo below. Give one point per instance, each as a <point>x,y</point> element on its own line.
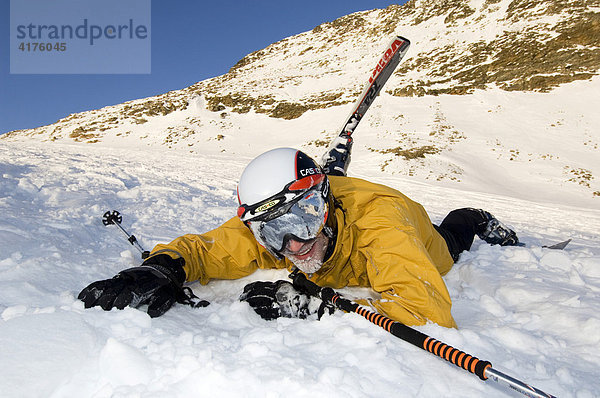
<point>303,221</point>
<point>278,204</point>
<point>301,216</point>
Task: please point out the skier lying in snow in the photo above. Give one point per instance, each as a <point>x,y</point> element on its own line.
<point>340,231</point>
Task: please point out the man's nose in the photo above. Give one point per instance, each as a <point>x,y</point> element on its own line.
<point>294,245</point>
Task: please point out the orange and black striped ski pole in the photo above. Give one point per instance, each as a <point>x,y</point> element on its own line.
<point>483,369</point>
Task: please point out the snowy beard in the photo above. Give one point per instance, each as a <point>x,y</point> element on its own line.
<point>312,264</point>
<point>308,265</point>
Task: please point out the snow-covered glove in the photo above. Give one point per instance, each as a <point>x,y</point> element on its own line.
<point>336,160</point>
<point>157,283</point>
<point>272,300</point>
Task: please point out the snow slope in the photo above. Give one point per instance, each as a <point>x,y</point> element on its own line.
<point>532,312</point>
<point>170,166</point>
<point>298,90</point>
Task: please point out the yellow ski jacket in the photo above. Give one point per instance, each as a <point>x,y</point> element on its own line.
<point>385,241</point>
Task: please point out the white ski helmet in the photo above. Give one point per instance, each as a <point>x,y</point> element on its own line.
<point>284,194</point>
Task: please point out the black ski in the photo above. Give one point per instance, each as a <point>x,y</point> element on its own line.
<point>380,75</point>
<point>337,158</point>
<point>556,246</point>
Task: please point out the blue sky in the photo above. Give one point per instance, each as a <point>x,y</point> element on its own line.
<point>191,41</point>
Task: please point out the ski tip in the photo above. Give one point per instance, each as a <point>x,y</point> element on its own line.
<point>403,39</point>
<point>558,246</point>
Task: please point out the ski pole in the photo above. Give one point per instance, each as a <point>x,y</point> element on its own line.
<point>115,218</point>
<point>483,369</point>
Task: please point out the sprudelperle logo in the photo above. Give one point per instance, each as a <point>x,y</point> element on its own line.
<point>80,36</point>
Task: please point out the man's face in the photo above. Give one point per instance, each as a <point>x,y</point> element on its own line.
<point>307,256</point>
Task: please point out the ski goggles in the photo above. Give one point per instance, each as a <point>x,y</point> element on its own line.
<point>299,212</point>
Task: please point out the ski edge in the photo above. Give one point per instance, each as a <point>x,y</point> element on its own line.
<point>559,245</point>
<point>556,246</point>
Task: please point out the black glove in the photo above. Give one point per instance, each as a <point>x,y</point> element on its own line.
<point>272,300</point>
<point>157,283</point>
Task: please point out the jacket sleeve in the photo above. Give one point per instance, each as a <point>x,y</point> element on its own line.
<point>400,267</point>
<point>227,252</point>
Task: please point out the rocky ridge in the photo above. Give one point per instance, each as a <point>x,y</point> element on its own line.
<point>516,45</point>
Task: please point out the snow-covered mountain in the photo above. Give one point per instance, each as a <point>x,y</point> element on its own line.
<point>487,88</point>
<point>534,313</point>
<point>495,106</point>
